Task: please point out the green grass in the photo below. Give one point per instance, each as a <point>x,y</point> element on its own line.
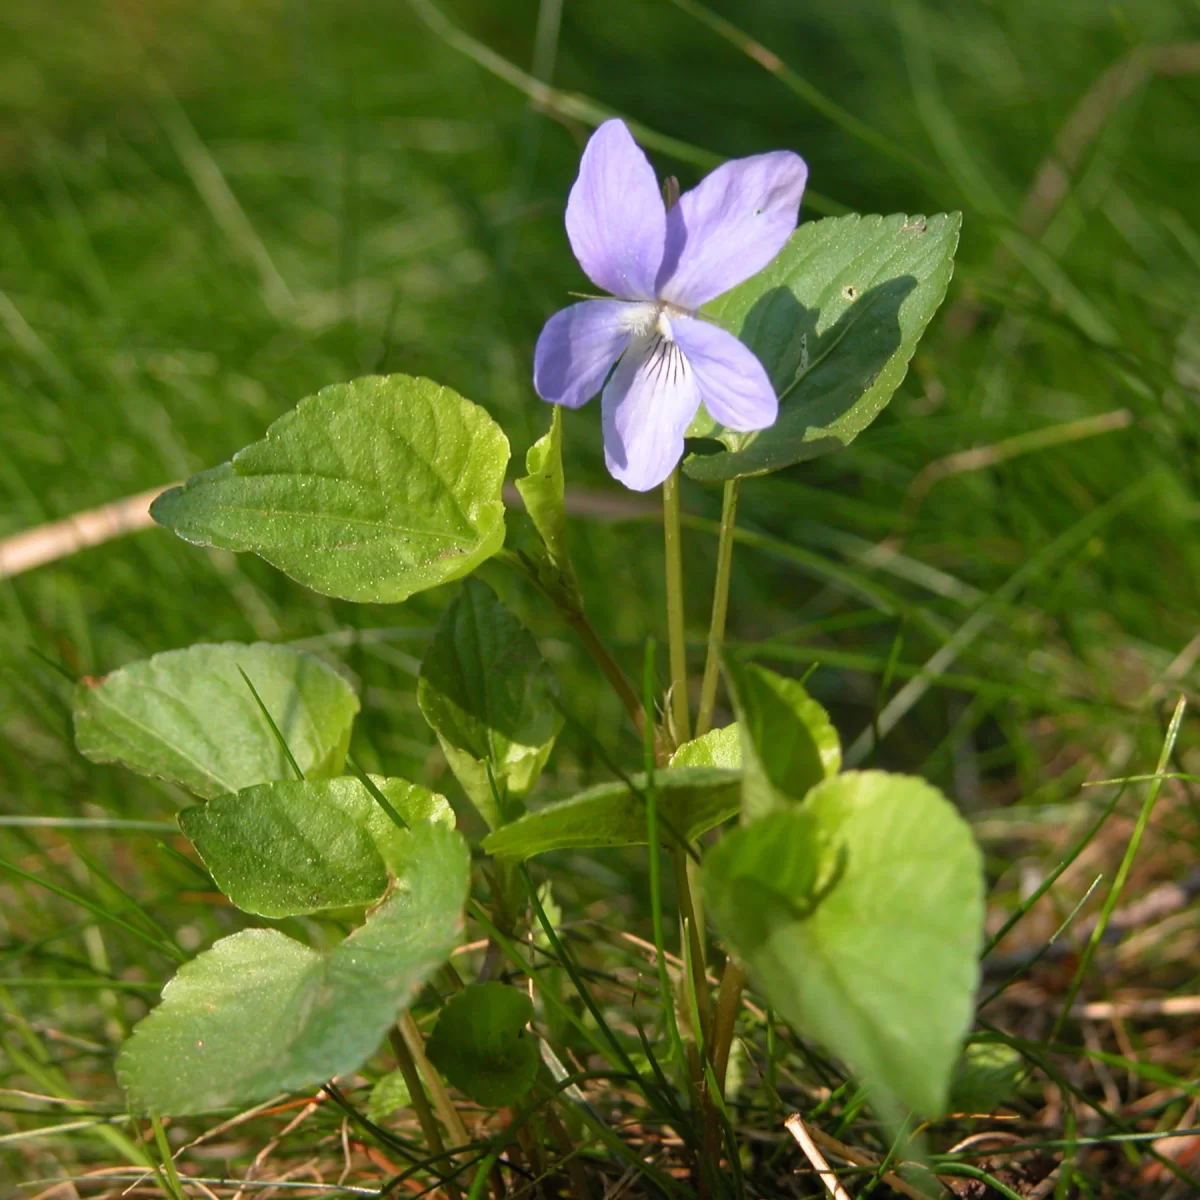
<point>210,211</point>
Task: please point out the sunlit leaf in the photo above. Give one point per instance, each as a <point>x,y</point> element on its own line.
<point>190,717</point>
<point>543,489</point>
<point>717,748</point>
<point>260,1013</point>
<point>282,849</point>
<point>787,741</point>
<point>369,491</point>
<point>691,800</point>
<point>859,915</point>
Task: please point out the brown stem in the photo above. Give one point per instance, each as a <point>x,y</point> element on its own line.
<point>729,1001</point>
<point>412,1039</point>
<point>420,1102</point>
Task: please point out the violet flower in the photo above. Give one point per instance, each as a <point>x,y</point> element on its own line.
<point>662,265</point>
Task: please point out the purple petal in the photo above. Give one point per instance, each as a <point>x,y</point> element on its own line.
<point>576,349</point>
<point>733,384</point>
<point>616,219</point>
<point>648,403</point>
<point>730,226</point>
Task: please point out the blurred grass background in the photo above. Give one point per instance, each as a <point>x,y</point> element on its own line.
<point>210,211</point>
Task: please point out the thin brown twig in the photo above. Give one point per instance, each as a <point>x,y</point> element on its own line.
<point>863,1158</point>
<point>48,543</point>
<point>45,544</point>
<point>796,1127</point>
<point>261,1157</point>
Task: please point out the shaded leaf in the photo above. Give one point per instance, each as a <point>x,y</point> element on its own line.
<point>987,1076</point>
<point>787,741</point>
<point>480,1044</point>
<point>188,716</point>
<point>282,849</point>
<point>370,491</point>
<point>859,915</point>
<point>388,1094</point>
<point>260,1013</point>
<point>691,799</point>
<point>835,319</point>
<point>489,696</point>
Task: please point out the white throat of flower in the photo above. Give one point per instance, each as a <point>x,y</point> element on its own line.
<point>652,341</point>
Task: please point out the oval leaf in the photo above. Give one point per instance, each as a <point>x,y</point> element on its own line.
<point>480,1044</point>
<point>788,742</point>
<point>691,800</point>
<point>260,1014</point>
<point>835,319</point>
<point>859,914</point>
<point>283,849</point>
<point>368,491</point>
<point>489,696</point>
<point>188,716</point>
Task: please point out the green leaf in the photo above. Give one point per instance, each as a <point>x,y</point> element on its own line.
<point>717,748</point>
<point>368,491</point>
<point>389,1093</point>
<point>260,1013</point>
<point>835,319</point>
<point>188,716</point>
<point>859,915</point>
<point>691,799</point>
<point>543,489</point>
<point>489,696</point>
<point>788,743</point>
<point>480,1044</point>
<point>283,849</point>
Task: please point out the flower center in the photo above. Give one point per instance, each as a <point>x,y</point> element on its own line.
<point>651,320</point>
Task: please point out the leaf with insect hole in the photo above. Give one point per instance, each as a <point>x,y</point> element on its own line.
<point>835,319</point>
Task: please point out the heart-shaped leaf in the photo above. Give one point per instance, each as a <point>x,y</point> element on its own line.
<point>368,491</point>
<point>260,1013</point>
<point>282,849</point>
<point>190,717</point>
<point>480,1044</point>
<point>788,743</point>
<point>859,914</point>
<point>691,800</point>
<point>489,696</point>
<point>835,319</point>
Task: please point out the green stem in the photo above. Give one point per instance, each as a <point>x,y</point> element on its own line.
<point>716,629</point>
<point>692,931</point>
<point>673,542</point>
<point>572,613</point>
<point>611,669</point>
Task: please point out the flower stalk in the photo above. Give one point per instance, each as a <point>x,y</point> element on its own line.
<point>673,544</point>
<point>716,629</point>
